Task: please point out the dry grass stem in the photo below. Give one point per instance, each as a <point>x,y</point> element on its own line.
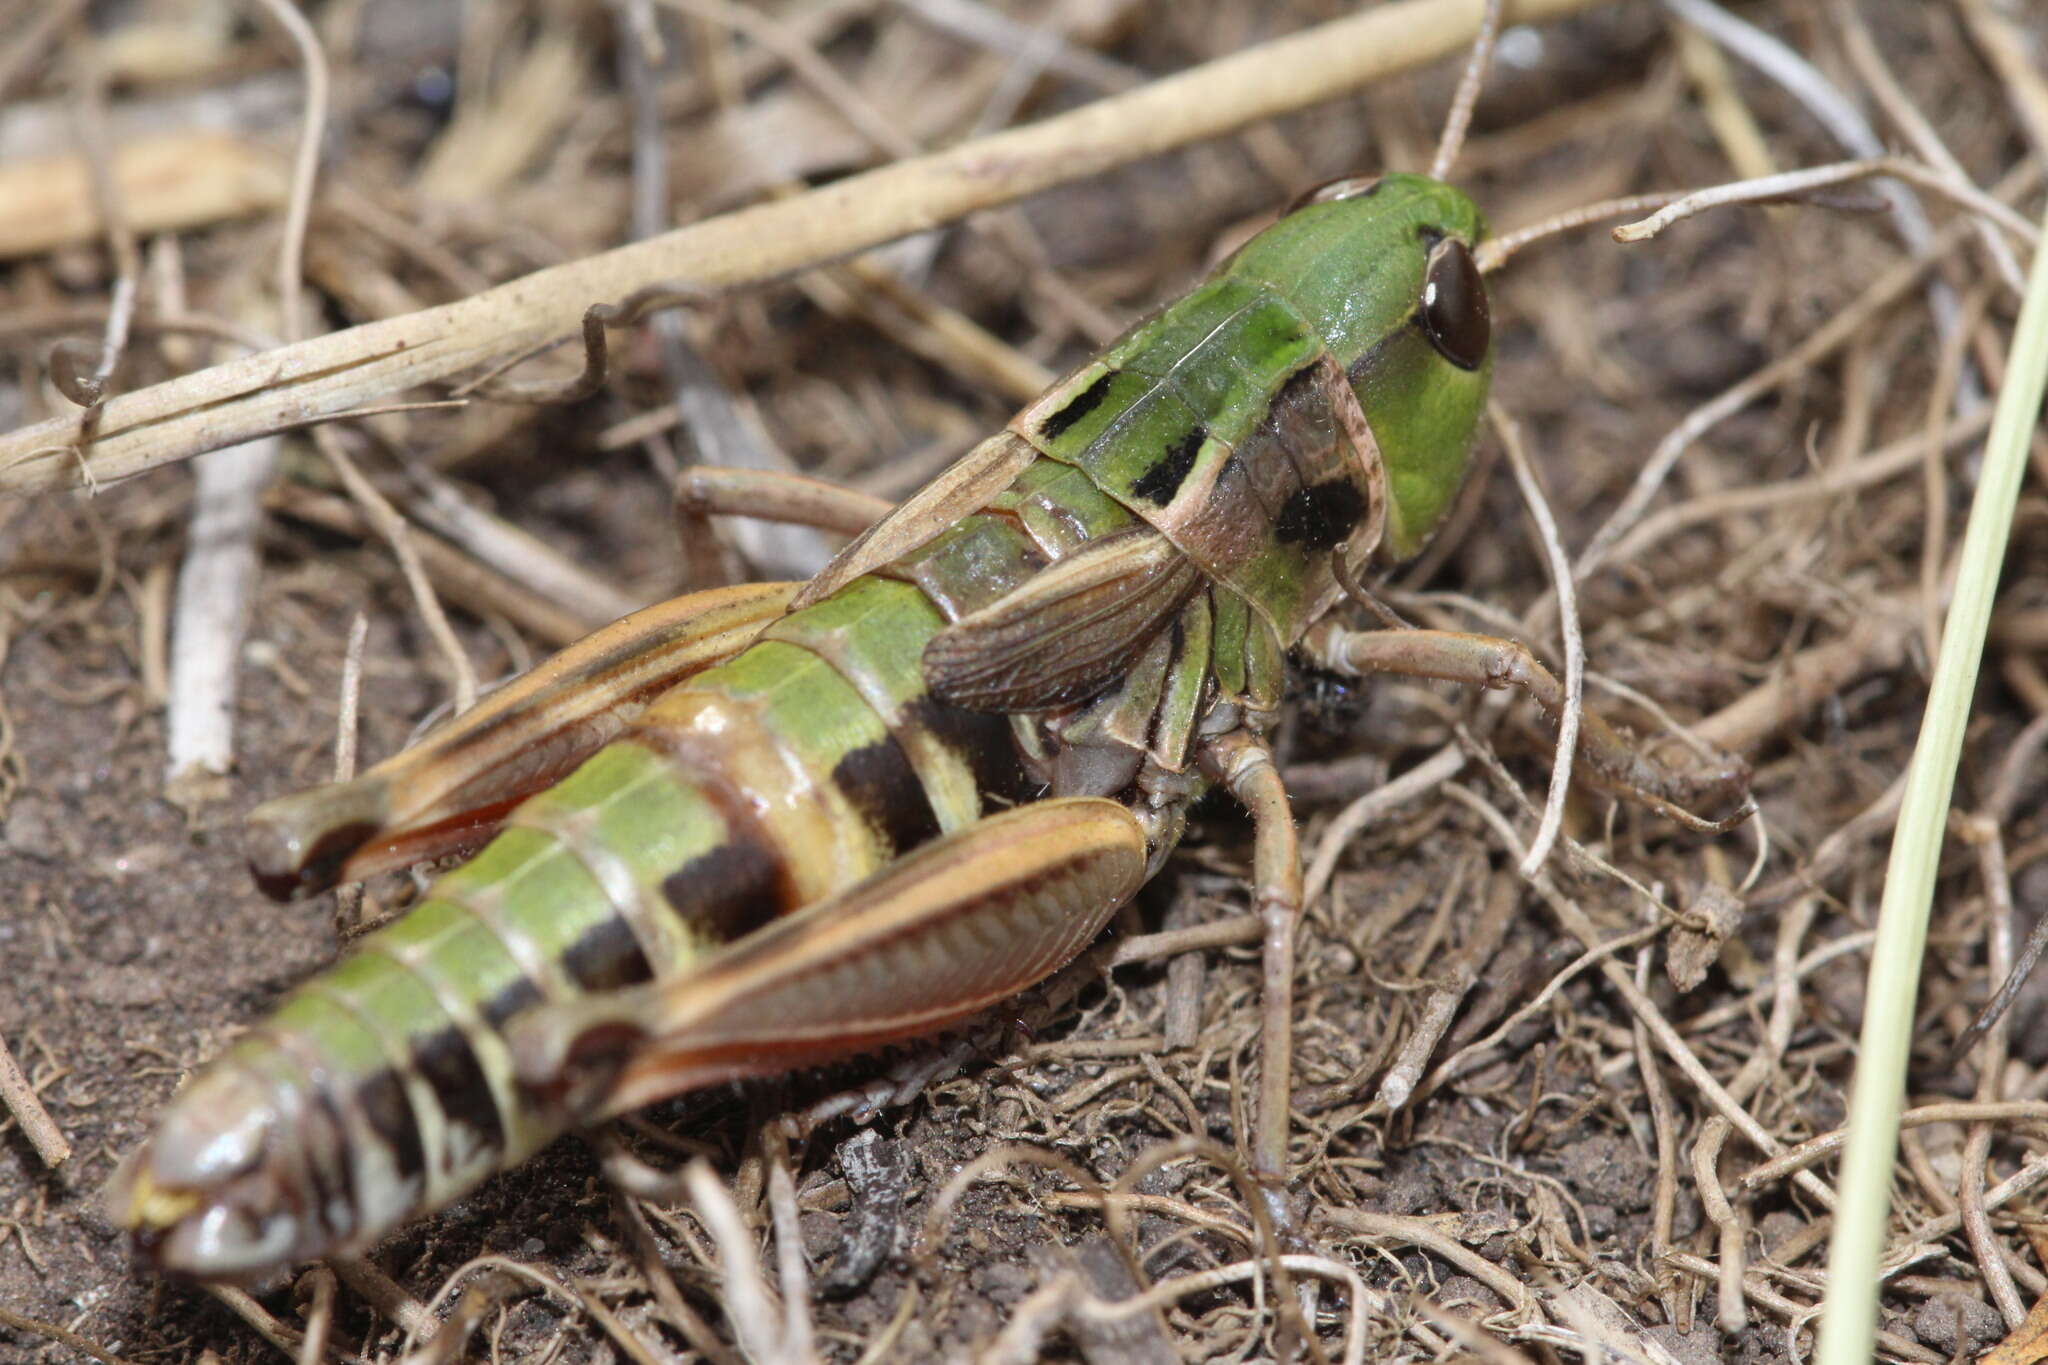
<point>2005,46</point>
<point>216,585</point>
<point>744,1290</point>
<point>1992,1051</point>
<point>1423,1233</point>
<point>1728,114</point>
<point>28,44</point>
<point>1757,1290</point>
<point>91,391</point>
<point>1503,898</point>
<point>327,375</point>
<point>1837,113</point>
<point>244,1306</point>
<point>1866,471</point>
<point>1452,139</point>
<point>720,430</point>
<point>1571,714</point>
<point>1900,109</point>
<point>1664,1126</point>
<point>1840,328</point>
<point>1789,184</point>
<point>1730,1315</point>
<point>998,32</point>
<point>384,1294</point>
<point>1818,1149</point>
<point>1674,1046</point>
<point>319,1315</point>
<point>460,577</point>
<point>519,555</point>
<point>1372,807</point>
<point>218,581</point>
<point>391,527</point>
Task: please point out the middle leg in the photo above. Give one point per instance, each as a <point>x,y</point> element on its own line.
<point>706,491</point>
<point>1243,764</point>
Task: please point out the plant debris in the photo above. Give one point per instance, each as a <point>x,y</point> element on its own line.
<point>1593,1109</point>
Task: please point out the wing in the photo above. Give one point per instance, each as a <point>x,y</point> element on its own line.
<point>962,490</point>
<point>1068,631</point>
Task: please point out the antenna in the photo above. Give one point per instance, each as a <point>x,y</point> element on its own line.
<point>1460,118</point>
<point>1787,186</point>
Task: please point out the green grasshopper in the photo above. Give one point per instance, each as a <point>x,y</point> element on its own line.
<point>762,827</point>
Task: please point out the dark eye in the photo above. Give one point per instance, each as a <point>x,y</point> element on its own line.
<point>1454,313</point>
<point>1331,191</point>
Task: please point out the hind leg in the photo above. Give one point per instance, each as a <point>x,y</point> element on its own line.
<point>451,790</point>
<point>936,937</point>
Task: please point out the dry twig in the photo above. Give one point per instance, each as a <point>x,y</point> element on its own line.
<point>22,1102</point>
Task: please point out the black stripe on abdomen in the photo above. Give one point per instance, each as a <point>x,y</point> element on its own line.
<point>518,994</point>
<point>607,956</point>
<point>743,881</point>
<point>1079,406</point>
<point>727,892</point>
<point>449,1064</point>
<point>879,782</point>
<point>1162,480</point>
<point>983,740</point>
<point>385,1108</point>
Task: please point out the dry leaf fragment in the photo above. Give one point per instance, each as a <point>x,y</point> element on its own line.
<point>1715,915</point>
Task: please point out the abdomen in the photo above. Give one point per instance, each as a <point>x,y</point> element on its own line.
<point>384,1087</point>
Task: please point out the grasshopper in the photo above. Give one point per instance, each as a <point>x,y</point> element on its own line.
<point>767,826</point>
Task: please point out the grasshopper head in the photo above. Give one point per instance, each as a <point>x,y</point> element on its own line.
<point>1383,269</point>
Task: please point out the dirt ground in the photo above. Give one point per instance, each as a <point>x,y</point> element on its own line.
<point>1539,1198</point>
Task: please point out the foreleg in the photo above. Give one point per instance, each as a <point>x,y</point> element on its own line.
<point>1721,790</point>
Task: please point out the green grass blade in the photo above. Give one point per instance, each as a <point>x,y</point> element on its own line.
<point>1849,1317</point>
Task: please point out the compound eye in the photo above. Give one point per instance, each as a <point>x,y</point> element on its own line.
<point>1333,191</point>
<point>1454,312</point>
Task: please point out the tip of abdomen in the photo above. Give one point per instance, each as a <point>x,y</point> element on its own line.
<point>208,1194</point>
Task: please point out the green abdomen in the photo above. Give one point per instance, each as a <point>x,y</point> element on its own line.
<point>793,770</point>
